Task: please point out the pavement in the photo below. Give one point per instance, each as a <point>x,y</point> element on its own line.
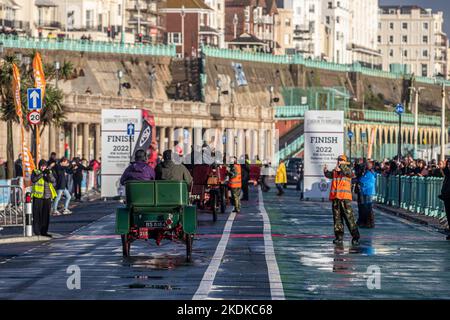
<point>276,248</point>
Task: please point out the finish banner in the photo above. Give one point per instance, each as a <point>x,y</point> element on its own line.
<point>324,143</point>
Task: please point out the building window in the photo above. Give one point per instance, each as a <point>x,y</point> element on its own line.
<point>379,39</point>
<point>338,19</point>
<point>287,40</point>
<point>312,8</point>
<point>120,9</point>
<point>425,25</point>
<point>405,25</point>
<point>327,19</point>
<point>379,25</point>
<point>405,39</point>
<point>405,53</point>
<point>391,39</point>
<point>287,22</point>
<point>424,70</point>
<point>425,53</point>
<point>391,26</point>
<point>425,39</point>
<point>89,18</point>
<point>330,5</point>
<point>338,4</point>
<point>391,52</point>
<point>175,38</point>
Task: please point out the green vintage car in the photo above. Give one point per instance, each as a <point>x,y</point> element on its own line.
<point>156,210</point>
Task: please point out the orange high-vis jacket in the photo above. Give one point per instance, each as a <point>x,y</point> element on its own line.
<point>236,182</point>
<point>341,187</point>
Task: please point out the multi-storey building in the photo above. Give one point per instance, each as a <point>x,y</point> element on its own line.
<point>251,23</point>
<point>216,20</point>
<point>187,26</point>
<point>99,19</point>
<point>284,32</point>
<point>413,36</point>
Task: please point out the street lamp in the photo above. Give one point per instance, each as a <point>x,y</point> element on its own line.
<point>219,88</point>
<point>416,117</point>
<point>350,137</point>
<point>235,23</point>
<point>183,14</point>
<point>443,127</point>
<point>152,78</point>
<point>399,109</point>
<point>57,68</point>
<point>120,76</point>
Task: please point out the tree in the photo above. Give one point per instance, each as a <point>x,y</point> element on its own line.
<point>53,112</point>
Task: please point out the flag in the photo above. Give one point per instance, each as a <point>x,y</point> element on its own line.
<point>372,141</point>
<point>39,82</point>
<point>144,141</point>
<point>27,160</point>
<point>38,73</point>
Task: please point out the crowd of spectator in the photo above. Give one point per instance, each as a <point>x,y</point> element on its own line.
<point>406,166</point>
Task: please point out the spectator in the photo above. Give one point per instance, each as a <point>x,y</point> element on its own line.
<point>138,170</point>
<point>2,169</point>
<point>168,170</point>
<point>367,183</point>
<point>281,178</point>
<point>77,169</point>
<point>18,166</point>
<point>445,192</point>
<point>61,172</point>
<point>52,161</point>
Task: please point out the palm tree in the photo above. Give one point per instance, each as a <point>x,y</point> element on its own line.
<point>52,113</point>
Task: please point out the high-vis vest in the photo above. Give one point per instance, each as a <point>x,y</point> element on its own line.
<point>236,182</point>
<point>38,188</point>
<point>341,187</point>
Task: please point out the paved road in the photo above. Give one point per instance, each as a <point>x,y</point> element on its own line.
<point>232,259</point>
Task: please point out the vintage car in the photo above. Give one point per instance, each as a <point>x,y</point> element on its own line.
<point>156,210</point>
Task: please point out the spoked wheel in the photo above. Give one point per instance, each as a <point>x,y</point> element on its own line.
<point>189,240</point>
<point>126,246</point>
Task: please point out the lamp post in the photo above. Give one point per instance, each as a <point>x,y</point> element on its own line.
<point>183,14</point>
<point>416,117</point>
<point>57,68</point>
<point>120,76</point>
<point>350,137</point>
<point>152,78</point>
<point>399,109</point>
<point>443,129</point>
<point>235,23</point>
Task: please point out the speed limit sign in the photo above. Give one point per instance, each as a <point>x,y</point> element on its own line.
<point>34,117</point>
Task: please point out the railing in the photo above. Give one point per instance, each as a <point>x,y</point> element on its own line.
<point>298,112</point>
<point>300,60</point>
<point>87,46</point>
<point>294,147</point>
<point>419,194</point>
<point>12,212</point>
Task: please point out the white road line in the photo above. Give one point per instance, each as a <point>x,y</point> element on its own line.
<point>210,273</point>
<point>276,286</point>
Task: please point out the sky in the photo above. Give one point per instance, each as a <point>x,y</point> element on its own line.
<point>438,5</point>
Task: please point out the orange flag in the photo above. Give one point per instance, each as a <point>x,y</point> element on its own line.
<point>27,160</point>
<point>39,82</point>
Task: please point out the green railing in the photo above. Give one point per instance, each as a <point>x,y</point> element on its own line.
<point>87,46</point>
<point>386,116</point>
<point>291,112</point>
<point>419,194</point>
<point>294,147</point>
<point>300,60</point>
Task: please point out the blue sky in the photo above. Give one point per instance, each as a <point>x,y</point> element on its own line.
<point>438,5</point>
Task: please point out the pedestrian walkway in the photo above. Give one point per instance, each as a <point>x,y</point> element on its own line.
<point>414,260</point>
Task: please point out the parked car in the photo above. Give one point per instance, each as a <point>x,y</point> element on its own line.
<point>293,168</point>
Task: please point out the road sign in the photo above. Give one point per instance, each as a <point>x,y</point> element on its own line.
<point>399,109</point>
<point>350,134</point>
<point>34,96</point>
<point>34,117</point>
<point>130,129</point>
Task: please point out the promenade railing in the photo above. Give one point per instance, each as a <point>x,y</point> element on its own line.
<point>419,194</point>
<point>87,46</point>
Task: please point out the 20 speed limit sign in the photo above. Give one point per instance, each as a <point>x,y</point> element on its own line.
<point>34,117</point>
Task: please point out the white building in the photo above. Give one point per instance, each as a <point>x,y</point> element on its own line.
<point>413,36</point>
<point>337,16</point>
<point>216,20</point>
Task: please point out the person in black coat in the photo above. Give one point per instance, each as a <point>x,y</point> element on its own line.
<point>77,169</point>
<point>61,172</point>
<point>245,178</point>
<point>445,191</point>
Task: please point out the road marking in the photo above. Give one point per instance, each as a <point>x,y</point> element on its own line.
<point>210,273</point>
<point>276,286</point>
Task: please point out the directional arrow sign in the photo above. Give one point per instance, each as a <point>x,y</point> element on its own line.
<point>350,134</point>
<point>130,129</point>
<point>34,96</point>
<point>399,109</point>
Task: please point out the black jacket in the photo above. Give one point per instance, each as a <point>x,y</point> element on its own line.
<point>445,191</point>
<point>60,174</point>
<point>78,171</point>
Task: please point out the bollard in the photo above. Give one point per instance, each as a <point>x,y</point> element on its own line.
<point>28,215</point>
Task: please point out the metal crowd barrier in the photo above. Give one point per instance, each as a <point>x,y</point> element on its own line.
<point>419,194</point>
<point>12,213</point>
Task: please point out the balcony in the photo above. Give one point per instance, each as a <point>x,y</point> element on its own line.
<point>22,25</point>
<point>48,24</point>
